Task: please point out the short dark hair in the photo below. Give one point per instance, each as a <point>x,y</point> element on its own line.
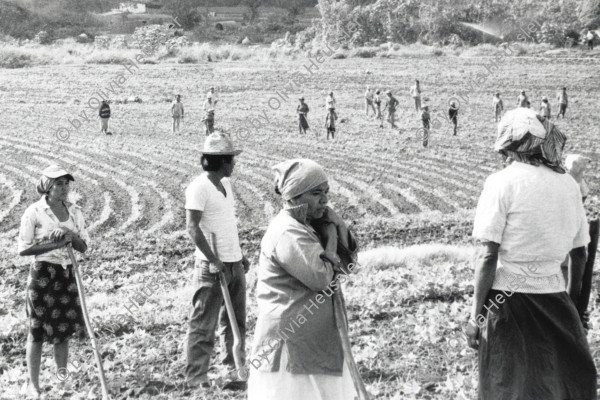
<point>213,162</point>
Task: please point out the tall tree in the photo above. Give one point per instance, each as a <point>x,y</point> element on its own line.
<point>590,13</point>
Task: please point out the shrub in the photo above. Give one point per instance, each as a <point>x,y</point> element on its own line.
<point>10,58</point>
<point>15,57</point>
<point>109,57</point>
<point>339,55</point>
<point>364,52</point>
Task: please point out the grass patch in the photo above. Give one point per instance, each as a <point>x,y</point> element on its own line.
<point>111,56</point>
<point>364,52</point>
<point>15,57</point>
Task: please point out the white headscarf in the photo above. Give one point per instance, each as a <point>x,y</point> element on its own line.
<point>297,176</point>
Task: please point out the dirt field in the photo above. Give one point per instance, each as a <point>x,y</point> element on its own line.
<point>406,312</point>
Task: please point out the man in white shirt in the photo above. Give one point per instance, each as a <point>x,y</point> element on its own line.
<point>177,113</point>
<point>590,39</point>
<point>211,223</point>
<point>415,92</point>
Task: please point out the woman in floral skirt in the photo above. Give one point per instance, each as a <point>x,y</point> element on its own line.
<point>47,227</point>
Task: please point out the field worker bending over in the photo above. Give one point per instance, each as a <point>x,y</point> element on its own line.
<point>415,92</point>
<point>497,106</point>
<point>527,328</point>
<point>522,100</point>
<point>177,113</point>
<point>52,302</point>
<point>369,101</point>
<point>210,210</point>
<point>104,115</point>
<point>302,110</point>
<point>563,102</point>
<point>545,108</point>
<point>304,247</point>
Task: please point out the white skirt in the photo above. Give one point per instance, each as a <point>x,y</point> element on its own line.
<point>284,385</point>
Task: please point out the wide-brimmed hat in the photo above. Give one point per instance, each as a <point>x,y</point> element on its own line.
<point>55,171</point>
<point>218,143</point>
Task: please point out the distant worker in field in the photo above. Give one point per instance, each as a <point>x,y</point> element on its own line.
<point>425,119</point>
<point>177,113</point>
<point>104,114</point>
<point>453,115</point>
<point>378,113</point>
<point>302,110</point>
<point>589,38</point>
<point>415,92</point>
<point>330,119</point>
<point>209,108</point>
<point>211,224</point>
<point>369,101</point>
<point>330,104</point>
<point>545,108</point>
<point>497,106</point>
<point>390,106</point>
<point>522,100</point>
<point>563,102</point>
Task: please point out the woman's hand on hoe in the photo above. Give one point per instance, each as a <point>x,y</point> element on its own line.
<point>58,233</point>
<point>66,239</point>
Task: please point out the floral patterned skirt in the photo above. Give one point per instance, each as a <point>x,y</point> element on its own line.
<point>52,304</point>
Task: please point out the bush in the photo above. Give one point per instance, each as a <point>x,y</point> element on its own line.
<point>110,57</point>
<point>21,58</point>
<point>364,52</point>
<point>339,55</point>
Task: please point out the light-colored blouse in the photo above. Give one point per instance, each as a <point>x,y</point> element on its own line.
<point>295,306</point>
<point>537,217</point>
<point>39,221</point>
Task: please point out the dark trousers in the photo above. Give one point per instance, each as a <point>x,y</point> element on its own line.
<point>208,309</point>
<point>562,110</point>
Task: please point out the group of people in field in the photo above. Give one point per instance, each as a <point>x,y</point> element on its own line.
<point>527,319</point>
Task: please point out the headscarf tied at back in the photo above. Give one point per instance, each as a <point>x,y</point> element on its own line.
<point>49,176</point>
<point>530,138</point>
<point>297,176</point>
<point>45,184</point>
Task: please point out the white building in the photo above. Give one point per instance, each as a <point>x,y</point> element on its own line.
<point>134,8</point>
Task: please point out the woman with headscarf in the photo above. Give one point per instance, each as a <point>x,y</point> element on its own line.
<point>52,301</point>
<point>297,352</point>
<point>527,328</point>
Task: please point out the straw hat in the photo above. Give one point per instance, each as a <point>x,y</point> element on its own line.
<point>218,143</point>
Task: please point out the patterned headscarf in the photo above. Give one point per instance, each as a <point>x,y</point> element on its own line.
<point>294,177</point>
<point>525,136</point>
<point>45,184</point>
